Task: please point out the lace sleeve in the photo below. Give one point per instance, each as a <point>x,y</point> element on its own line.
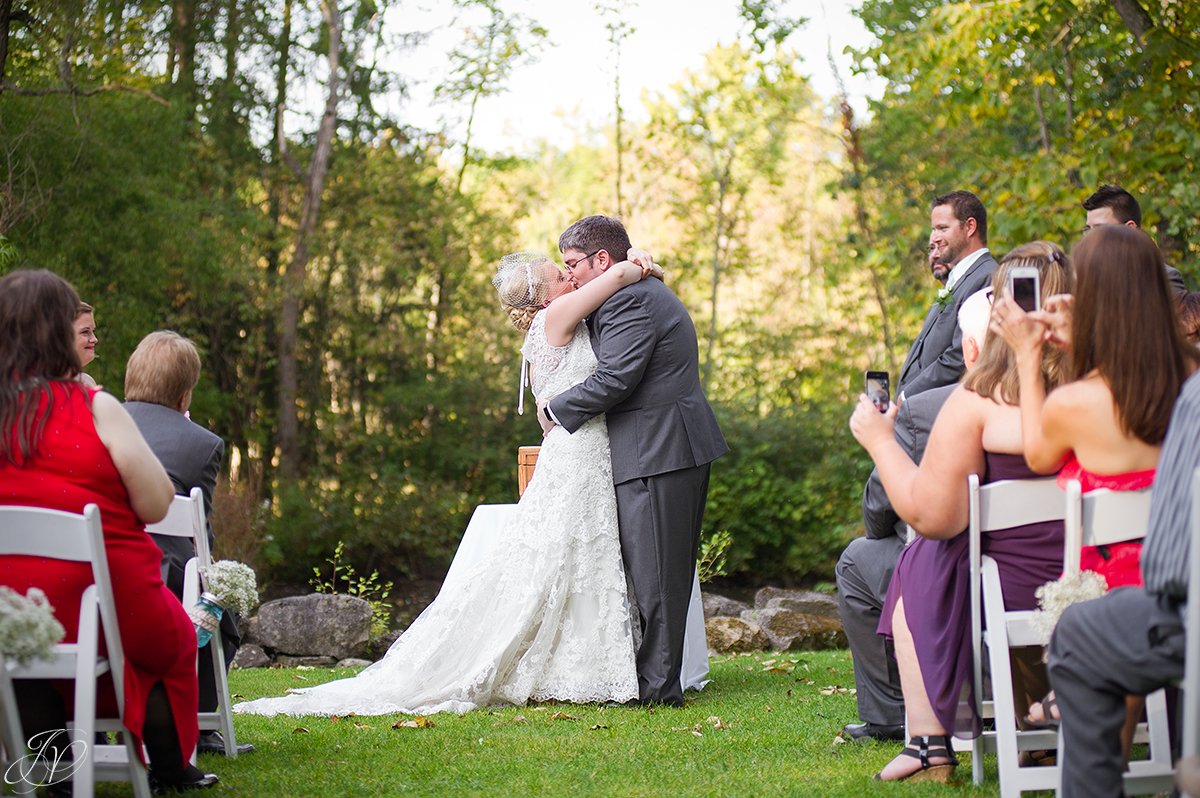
<point>543,358</point>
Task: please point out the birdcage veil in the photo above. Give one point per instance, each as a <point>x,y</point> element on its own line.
<point>523,286</point>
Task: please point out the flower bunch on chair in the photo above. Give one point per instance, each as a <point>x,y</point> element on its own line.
<point>28,628</point>
<point>234,585</point>
<point>1054,597</point>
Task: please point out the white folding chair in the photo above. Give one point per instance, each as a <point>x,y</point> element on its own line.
<point>185,519</point>
<point>38,532</point>
<point>1100,518</point>
<point>1189,768</point>
<point>1001,505</point>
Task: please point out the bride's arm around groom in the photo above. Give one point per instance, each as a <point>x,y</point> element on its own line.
<point>663,435</point>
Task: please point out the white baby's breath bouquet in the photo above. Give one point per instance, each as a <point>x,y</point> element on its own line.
<point>1054,597</point>
<point>28,628</point>
<point>234,585</point>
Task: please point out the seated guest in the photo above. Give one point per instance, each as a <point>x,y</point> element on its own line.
<point>927,612</point>
<point>1132,640</point>
<point>85,340</point>
<point>865,567</point>
<point>1189,316</point>
<point>64,446</point>
<point>1106,426</point>
<point>160,376</point>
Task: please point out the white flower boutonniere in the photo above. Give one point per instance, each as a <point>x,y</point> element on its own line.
<point>944,296</point>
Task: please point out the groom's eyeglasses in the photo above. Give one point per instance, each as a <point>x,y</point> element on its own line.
<point>581,260</point>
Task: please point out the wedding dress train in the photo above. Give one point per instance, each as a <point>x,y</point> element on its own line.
<point>545,616</point>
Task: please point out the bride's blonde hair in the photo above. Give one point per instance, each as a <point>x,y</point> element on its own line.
<point>523,286</point>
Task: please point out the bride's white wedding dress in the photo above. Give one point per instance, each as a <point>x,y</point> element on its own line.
<point>545,618</point>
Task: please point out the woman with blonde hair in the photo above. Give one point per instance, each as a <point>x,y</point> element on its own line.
<point>927,610</point>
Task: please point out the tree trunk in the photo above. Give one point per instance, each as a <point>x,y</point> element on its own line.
<point>294,279</point>
<point>1134,17</point>
<point>5,21</point>
<point>710,345</point>
<point>181,52</point>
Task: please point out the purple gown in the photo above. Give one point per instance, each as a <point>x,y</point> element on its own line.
<point>933,576</point>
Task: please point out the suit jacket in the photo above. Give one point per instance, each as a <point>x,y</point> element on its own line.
<point>192,456</point>
<point>647,381</point>
<point>1175,280</point>
<point>936,356</point>
<point>914,420</point>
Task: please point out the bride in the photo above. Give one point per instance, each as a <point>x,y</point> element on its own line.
<point>546,617</point>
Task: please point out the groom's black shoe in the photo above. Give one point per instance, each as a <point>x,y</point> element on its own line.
<point>861,732</point>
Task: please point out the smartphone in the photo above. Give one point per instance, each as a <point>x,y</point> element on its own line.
<point>878,390</point>
<point>1025,288</point>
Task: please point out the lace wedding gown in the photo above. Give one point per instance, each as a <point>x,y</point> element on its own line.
<point>546,618</point>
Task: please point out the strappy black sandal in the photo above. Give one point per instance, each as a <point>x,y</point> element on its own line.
<point>919,748</point>
<point>1050,708</point>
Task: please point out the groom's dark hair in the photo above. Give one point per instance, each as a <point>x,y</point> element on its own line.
<point>593,233</point>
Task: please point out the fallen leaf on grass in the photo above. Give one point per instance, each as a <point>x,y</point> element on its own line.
<point>769,709</point>
<point>698,734</point>
<point>419,722</point>
<point>838,739</point>
<point>359,725</point>
<point>299,730</point>
<point>520,719</point>
<point>305,668</point>
<point>598,726</point>
<point>833,689</point>
<point>238,696</point>
<point>299,678</point>
<point>563,716</point>
<point>716,722</point>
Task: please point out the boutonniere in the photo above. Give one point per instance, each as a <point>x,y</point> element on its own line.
<point>944,296</point>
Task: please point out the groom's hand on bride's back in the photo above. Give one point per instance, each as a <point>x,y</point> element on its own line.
<point>544,419</point>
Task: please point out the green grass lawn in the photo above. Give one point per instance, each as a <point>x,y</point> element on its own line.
<point>758,729</point>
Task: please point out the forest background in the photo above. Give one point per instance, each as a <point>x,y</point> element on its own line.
<point>237,170</point>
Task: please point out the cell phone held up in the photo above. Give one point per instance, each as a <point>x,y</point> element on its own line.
<point>1024,286</point>
<point>878,390</point>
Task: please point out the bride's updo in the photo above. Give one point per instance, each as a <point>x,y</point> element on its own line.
<point>523,284</point>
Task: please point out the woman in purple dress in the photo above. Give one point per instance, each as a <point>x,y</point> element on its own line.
<point>978,431</point>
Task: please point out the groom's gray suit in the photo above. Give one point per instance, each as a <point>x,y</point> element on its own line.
<point>664,436</point>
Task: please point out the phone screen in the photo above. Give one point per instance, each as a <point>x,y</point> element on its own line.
<point>878,390</point>
<point>1025,293</point>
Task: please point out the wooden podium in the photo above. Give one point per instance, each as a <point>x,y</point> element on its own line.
<point>526,461</point>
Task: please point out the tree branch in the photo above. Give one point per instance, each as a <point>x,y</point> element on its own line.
<point>1134,16</point>
<point>75,91</point>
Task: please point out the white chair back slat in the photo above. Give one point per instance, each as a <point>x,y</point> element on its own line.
<point>1016,502</point>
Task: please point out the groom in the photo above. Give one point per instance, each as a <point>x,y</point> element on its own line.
<point>663,436</point>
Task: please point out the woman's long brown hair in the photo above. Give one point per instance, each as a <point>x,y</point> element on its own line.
<point>1126,327</point>
<point>37,348</point>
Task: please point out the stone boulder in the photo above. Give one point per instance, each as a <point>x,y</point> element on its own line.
<point>806,601</point>
<point>790,630</point>
<point>354,662</point>
<point>716,606</point>
<point>734,635</point>
<point>250,655</point>
<point>316,625</point>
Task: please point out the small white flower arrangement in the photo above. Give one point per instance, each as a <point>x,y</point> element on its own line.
<point>234,585</point>
<point>28,628</point>
<point>1054,597</point>
<point>944,296</point>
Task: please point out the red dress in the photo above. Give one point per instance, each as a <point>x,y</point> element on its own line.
<point>71,469</point>
<point>1119,563</point>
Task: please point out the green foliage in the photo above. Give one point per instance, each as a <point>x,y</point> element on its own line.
<point>343,578</point>
<point>712,559</point>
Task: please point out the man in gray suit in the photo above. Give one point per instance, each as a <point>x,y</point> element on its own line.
<point>1115,205</point>
<point>959,238</point>
<point>865,567</point>
<point>160,376</point>
<point>663,436</point>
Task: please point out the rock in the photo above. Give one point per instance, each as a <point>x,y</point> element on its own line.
<point>734,635</point>
<point>379,646</point>
<point>716,606</point>
<point>286,661</point>
<point>251,656</point>
<point>806,601</point>
<point>316,625</point>
<point>789,630</point>
<point>354,662</point>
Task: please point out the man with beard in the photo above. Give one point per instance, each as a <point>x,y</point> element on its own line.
<point>958,239</point>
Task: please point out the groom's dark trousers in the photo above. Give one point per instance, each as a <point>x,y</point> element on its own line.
<point>663,436</point>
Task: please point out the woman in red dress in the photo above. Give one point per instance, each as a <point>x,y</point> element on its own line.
<point>62,446</point>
